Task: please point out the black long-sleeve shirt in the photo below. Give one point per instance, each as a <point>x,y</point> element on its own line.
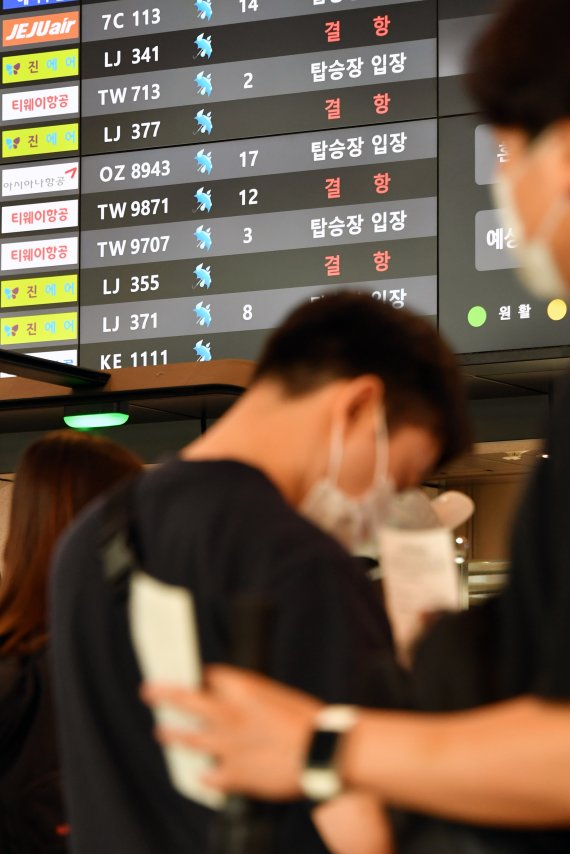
<point>219,529</point>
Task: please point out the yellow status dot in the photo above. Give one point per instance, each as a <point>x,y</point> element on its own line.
<point>557,309</point>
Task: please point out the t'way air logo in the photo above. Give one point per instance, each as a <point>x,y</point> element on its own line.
<point>40,29</point>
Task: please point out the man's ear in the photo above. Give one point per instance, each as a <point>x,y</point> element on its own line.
<point>362,395</point>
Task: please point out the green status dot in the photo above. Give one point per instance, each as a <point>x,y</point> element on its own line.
<point>477,316</point>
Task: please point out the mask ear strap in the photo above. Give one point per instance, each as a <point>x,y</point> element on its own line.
<point>555,213</point>
<point>382,450</point>
<point>335,455</point>
<point>382,447</point>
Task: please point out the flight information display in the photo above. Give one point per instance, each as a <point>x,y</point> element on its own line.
<point>40,118</point>
<point>482,305</point>
<point>460,23</point>
<point>177,175</point>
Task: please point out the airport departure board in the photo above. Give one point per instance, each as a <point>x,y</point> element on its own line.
<point>482,306</point>
<point>177,175</point>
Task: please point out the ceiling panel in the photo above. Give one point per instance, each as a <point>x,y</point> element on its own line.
<point>514,459</point>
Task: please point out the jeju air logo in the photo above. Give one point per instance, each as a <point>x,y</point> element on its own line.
<point>40,29</point>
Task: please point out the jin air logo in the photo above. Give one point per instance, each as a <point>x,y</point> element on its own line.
<point>11,293</point>
<point>204,162</point>
<point>204,9</point>
<point>203,277</point>
<point>204,83</point>
<point>203,314</point>
<point>203,351</point>
<point>12,70</point>
<point>10,331</point>
<point>204,45</point>
<point>12,142</point>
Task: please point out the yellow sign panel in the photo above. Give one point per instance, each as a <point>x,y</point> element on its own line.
<point>38,328</point>
<point>44,290</point>
<point>34,141</point>
<point>24,67</point>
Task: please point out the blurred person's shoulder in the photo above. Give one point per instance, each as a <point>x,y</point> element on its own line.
<point>214,505</point>
<point>228,497</point>
<point>558,432</point>
<point>23,680</point>
<point>561,402</point>
<point>17,674</point>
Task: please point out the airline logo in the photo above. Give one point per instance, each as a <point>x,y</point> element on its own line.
<point>38,328</point>
<point>40,216</point>
<point>26,105</point>
<point>47,65</point>
<point>40,29</point>
<point>42,290</point>
<point>60,177</point>
<point>46,139</point>
<point>33,4</point>
<point>68,357</point>
<point>33,254</point>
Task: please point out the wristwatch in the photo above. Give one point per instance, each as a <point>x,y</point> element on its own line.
<point>320,780</point>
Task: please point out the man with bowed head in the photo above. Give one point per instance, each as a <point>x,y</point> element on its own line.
<point>351,400</point>
<point>508,764</point>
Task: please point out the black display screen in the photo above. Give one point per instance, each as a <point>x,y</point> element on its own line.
<point>482,306</point>
<point>177,175</point>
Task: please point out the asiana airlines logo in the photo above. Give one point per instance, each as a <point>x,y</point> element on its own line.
<point>37,29</point>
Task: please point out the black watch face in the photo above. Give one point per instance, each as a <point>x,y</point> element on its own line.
<point>323,749</point>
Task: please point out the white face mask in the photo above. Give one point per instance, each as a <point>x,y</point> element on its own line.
<point>539,271</point>
<point>351,521</point>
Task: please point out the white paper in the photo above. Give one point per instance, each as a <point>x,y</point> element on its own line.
<point>420,576</point>
<point>165,639</point>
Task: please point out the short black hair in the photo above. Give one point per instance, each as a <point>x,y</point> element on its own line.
<point>346,335</point>
<point>519,70</point>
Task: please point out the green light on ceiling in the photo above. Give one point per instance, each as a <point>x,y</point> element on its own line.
<point>93,420</point>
